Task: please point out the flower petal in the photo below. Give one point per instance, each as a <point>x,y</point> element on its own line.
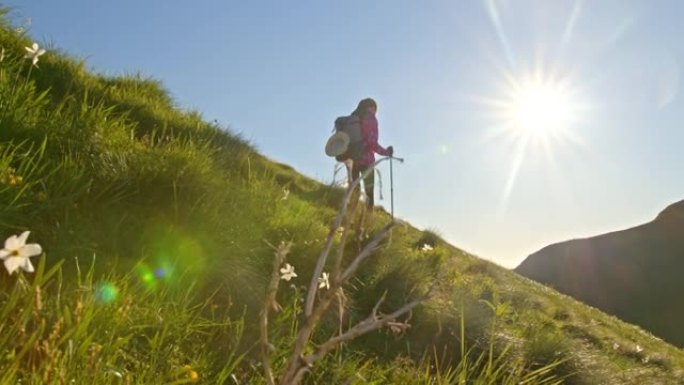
<point>40,52</point>
<point>35,47</point>
<point>12,243</point>
<point>13,263</point>
<point>22,238</point>
<point>4,254</point>
<point>30,250</point>
<point>27,266</point>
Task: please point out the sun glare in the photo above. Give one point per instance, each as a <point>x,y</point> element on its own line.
<point>537,111</point>
<point>540,104</point>
<point>540,109</point>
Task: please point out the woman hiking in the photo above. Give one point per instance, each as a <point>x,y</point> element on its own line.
<point>366,111</point>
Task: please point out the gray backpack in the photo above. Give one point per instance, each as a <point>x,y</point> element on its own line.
<point>351,125</point>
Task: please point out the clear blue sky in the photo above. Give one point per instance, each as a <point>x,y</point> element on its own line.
<point>279,72</point>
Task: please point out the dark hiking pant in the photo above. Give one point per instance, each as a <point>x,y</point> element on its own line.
<point>368,181</point>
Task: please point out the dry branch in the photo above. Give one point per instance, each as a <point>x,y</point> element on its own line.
<point>270,303</point>
<point>322,258</point>
<point>298,363</point>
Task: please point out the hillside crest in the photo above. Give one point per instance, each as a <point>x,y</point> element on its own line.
<point>634,274</point>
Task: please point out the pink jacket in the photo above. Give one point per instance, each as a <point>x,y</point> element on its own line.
<point>369,130</point>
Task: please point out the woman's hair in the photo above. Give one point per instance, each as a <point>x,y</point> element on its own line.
<point>363,107</point>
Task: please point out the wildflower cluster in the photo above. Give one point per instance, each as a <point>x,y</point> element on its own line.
<point>426,247</point>
<point>287,272</point>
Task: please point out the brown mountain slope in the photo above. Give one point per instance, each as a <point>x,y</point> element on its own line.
<point>635,274</point>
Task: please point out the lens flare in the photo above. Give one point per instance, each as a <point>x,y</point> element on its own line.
<point>164,268</point>
<point>106,292</point>
<point>159,273</point>
<point>172,250</point>
<point>172,254</point>
<point>147,277</point>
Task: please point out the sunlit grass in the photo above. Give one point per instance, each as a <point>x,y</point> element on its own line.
<point>153,224</point>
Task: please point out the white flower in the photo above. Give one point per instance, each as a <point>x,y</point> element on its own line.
<point>616,346</point>
<point>33,53</point>
<point>426,247</point>
<point>638,349</point>
<point>115,373</point>
<point>16,253</point>
<point>324,282</point>
<point>287,272</point>
<point>286,194</point>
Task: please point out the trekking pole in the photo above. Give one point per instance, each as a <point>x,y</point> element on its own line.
<point>391,189</point>
<point>392,185</point>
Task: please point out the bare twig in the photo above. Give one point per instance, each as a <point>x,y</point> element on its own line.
<point>299,363</point>
<point>365,253</point>
<point>304,335</point>
<point>320,263</point>
<point>398,327</point>
<point>377,304</point>
<point>372,322</point>
<point>343,239</point>
<point>270,303</point>
<point>295,361</point>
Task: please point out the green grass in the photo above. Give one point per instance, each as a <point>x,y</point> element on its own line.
<point>155,225</point>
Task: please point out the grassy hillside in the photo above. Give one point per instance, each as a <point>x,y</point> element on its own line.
<point>155,229</point>
<point>634,273</point>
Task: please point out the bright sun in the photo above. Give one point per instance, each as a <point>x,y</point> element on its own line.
<point>539,109</point>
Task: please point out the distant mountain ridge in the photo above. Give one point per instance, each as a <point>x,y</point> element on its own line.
<point>635,274</point>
